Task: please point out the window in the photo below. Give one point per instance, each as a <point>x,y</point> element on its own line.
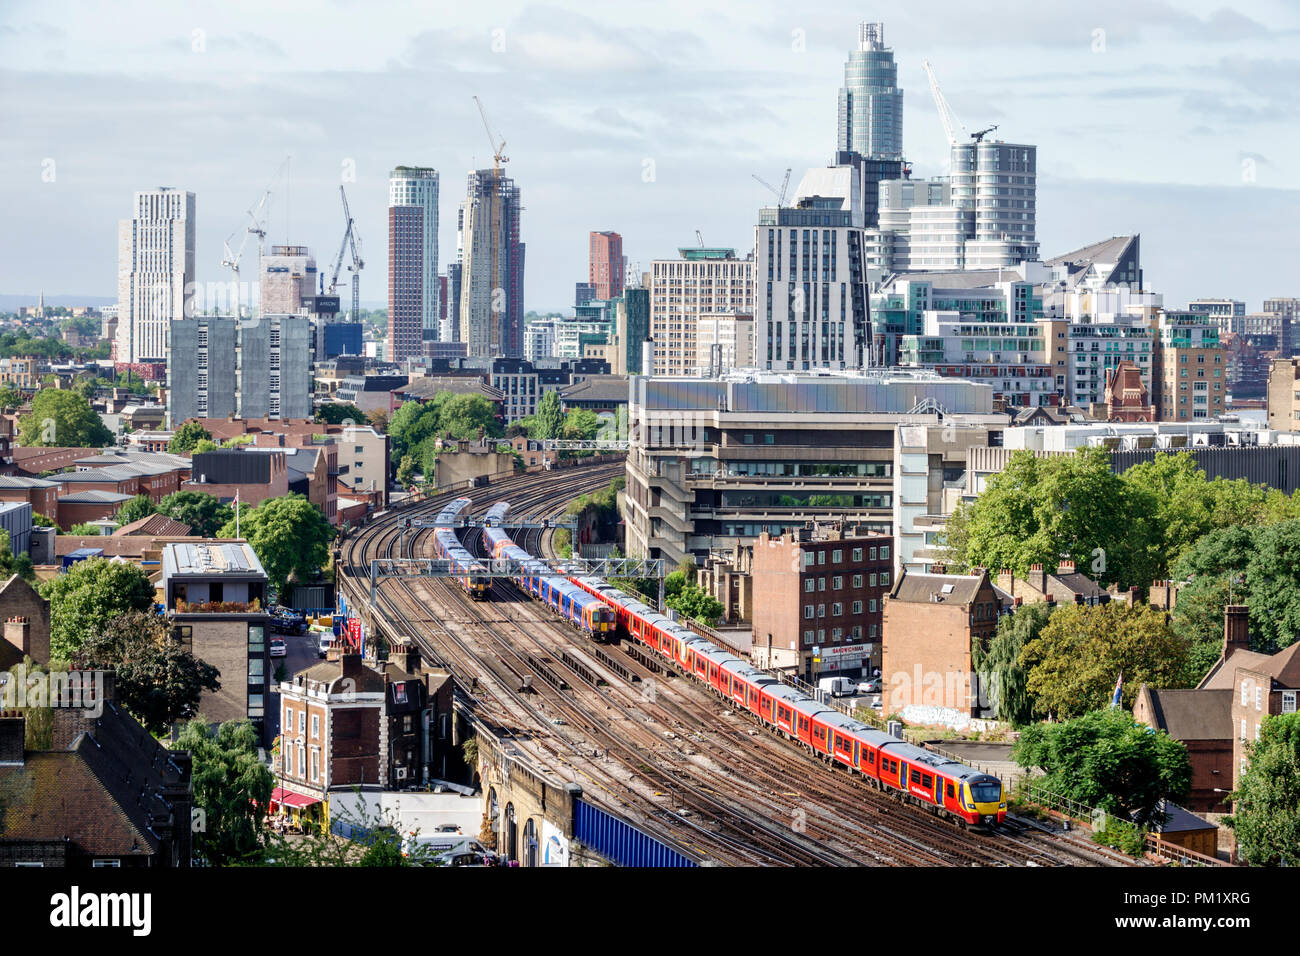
<point>857,607</point>
<point>837,610</point>
<point>807,612</point>
<point>884,579</point>
<point>821,584</point>
<point>255,670</point>
<point>809,585</point>
<point>315,726</point>
<point>873,580</point>
<point>1288,702</point>
<point>315,764</point>
<point>256,638</point>
<point>837,583</point>
<point>821,610</point>
<point>871,605</point>
<point>302,721</point>
<point>1259,697</point>
<point>857,580</point>
<point>873,554</point>
<point>97,864</point>
<point>884,553</point>
<point>837,556</point>
<point>288,717</point>
<point>857,555</point>
<point>255,705</point>
<point>821,557</point>
<point>1245,694</point>
<point>1243,728</point>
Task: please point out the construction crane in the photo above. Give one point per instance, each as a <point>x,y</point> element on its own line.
<point>779,194</point>
<point>699,236</point>
<point>980,134</point>
<point>498,150</point>
<point>256,227</point>
<point>946,115</point>
<point>349,242</point>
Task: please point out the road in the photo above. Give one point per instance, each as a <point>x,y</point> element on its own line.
<point>303,653</point>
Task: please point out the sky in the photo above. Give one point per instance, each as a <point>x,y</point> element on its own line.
<point>1177,119</point>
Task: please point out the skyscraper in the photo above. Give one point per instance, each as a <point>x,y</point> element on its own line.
<point>871,103</point>
<point>155,263</point>
<point>492,267</point>
<point>606,265</point>
<point>287,276</point>
<point>413,285</point>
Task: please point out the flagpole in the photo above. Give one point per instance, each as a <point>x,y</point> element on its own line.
<point>237,513</point>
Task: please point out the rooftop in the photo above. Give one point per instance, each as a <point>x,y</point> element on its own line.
<point>206,560</point>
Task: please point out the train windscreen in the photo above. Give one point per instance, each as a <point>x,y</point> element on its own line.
<point>988,791</point>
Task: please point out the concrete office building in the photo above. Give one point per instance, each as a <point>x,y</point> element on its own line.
<point>413,286</point>
<point>606,265</point>
<point>492,266</point>
<point>202,364</point>
<point>155,272</point>
<point>724,341</point>
<point>702,281</point>
<point>539,339</point>
<point>287,281</point>
<point>871,101</point>
<point>713,463</point>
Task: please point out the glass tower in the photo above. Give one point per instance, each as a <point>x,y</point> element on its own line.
<point>871,102</point>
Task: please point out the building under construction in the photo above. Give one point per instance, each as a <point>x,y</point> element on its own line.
<point>492,266</point>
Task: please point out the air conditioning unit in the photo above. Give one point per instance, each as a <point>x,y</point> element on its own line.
<point>401,773</point>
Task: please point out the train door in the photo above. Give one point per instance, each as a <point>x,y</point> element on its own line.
<point>902,776</point>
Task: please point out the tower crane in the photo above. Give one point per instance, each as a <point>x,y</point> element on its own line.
<point>349,243</point>
<point>494,232</point>
<point>498,150</point>
<point>946,115</point>
<point>779,194</point>
<point>231,259</point>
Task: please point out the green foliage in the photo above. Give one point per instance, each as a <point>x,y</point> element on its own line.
<point>138,507</point>
<point>204,445</point>
<point>89,595</point>
<point>463,416</point>
<point>999,666</point>
<point>339,412</point>
<point>689,599</point>
<point>40,521</point>
<point>1073,663</point>
<point>580,424</point>
<point>1106,760</point>
<point>1266,804</point>
<point>1123,836</point>
<point>290,536</point>
<point>233,787</point>
<point>1273,585</point>
<point>548,421</point>
<point>562,542</point>
<point>157,679</point>
<point>10,397</point>
<point>84,530</point>
<point>198,509</point>
<point>1040,510</point>
<point>186,437</point>
<point>62,419</point>
<point>406,471</point>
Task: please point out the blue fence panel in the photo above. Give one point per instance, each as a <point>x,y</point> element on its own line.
<point>620,842</point>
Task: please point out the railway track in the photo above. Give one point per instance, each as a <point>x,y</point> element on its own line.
<point>658,758</point>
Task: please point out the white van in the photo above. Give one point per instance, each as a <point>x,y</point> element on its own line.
<point>837,686</point>
<point>326,638</point>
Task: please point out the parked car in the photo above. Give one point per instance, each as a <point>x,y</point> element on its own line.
<point>279,648</point>
<point>870,686</point>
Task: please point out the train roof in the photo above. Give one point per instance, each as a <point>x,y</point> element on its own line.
<point>810,707</point>
<point>842,721</point>
<point>929,758</point>
<point>497,513</point>
<point>786,692</point>
<point>451,511</point>
<point>753,675</point>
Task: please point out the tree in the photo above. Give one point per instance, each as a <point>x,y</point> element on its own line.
<point>138,507</point>
<point>290,536</point>
<point>463,416</point>
<point>188,435</point>
<point>406,471</point>
<point>201,511</point>
<point>378,419</point>
<point>1105,759</point>
<point>232,786</point>
<point>1273,585</point>
<point>204,445</point>
<point>157,679</point>
<point>581,424</point>
<point>89,595</point>
<point>1040,510</point>
<point>61,418</point>
<point>548,420</point>
<point>1073,664</point>
<point>337,413</point>
<point>10,397</point>
<point>40,521</point>
<point>1266,803</point>
<point>84,530</point>
<point>998,665</point>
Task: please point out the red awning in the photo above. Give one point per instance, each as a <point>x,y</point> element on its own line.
<point>288,798</point>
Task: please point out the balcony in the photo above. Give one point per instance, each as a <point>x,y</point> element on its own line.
<point>217,607</point>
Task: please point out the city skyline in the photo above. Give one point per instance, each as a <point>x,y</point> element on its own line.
<point>1178,112</point>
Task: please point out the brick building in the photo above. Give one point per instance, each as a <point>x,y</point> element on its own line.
<point>26,617</point>
<point>817,599</point>
<point>1066,586</point>
<point>1202,720</point>
<point>253,474</point>
<point>931,623</point>
<point>1127,399</point>
<point>215,600</point>
<point>42,495</point>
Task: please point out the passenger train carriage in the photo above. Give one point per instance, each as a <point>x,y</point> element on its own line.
<point>920,776</point>
<point>584,611</point>
<point>474,577</point>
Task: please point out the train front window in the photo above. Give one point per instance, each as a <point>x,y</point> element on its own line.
<point>986,792</point>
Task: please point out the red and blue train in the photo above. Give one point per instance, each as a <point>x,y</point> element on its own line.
<point>471,575</point>
<point>943,786</point>
<point>584,611</point>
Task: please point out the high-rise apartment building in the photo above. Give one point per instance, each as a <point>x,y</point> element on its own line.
<point>286,277</point>
<point>259,367</point>
<point>1191,367</point>
<point>606,264</point>
<point>812,306</point>
<point>703,281</point>
<point>492,266</point>
<point>871,101</point>
<point>413,287</point>
<point>155,265</point>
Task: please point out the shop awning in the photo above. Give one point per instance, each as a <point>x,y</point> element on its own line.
<point>287,798</point>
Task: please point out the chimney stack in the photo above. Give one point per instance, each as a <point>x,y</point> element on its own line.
<point>352,665</point>
<point>1236,629</point>
<point>1065,567</point>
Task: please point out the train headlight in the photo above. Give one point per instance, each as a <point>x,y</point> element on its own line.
<point>1002,806</point>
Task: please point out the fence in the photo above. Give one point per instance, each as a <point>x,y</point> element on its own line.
<point>619,841</point>
<point>1009,779</point>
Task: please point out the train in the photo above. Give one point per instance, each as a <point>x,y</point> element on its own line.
<point>584,611</point>
<point>944,787</point>
<point>473,580</point>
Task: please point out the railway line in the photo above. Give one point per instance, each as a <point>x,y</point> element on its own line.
<point>650,747</point>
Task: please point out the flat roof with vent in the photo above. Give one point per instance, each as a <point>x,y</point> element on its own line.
<point>203,560</point>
